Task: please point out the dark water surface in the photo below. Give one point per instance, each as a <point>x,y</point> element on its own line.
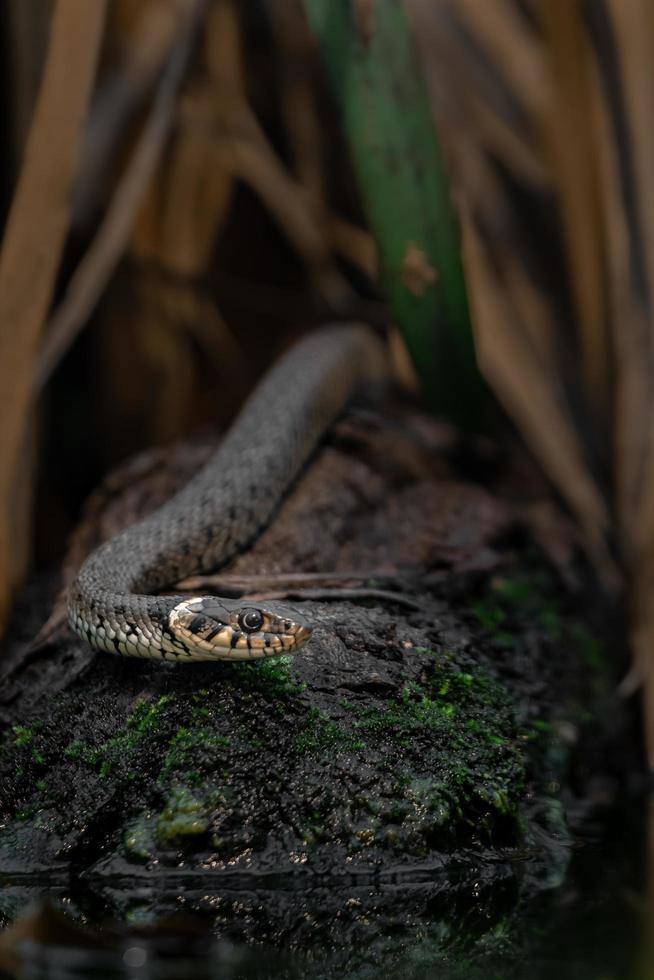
<point>585,920</point>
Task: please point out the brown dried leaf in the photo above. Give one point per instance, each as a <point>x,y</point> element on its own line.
<point>568,122</point>
<point>461,99</point>
<point>531,395</point>
<point>32,245</point>
<point>98,263</point>
<point>26,26</point>
<point>242,149</point>
<point>139,39</point>
<point>189,200</point>
<point>297,60</point>
<point>354,244</point>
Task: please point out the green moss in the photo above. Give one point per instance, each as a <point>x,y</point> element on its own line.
<point>146,718</point>
<point>517,591</point>
<point>432,803</point>
<point>193,748</point>
<point>591,650</point>
<point>320,733</point>
<point>530,601</point>
<point>144,722</point>
<point>466,713</point>
<point>81,751</point>
<point>471,715</point>
<point>23,738</point>
<point>271,676</point>
<point>490,615</point>
<point>26,814</point>
<point>190,747</point>
<point>524,596</point>
<point>190,754</point>
<point>550,620</point>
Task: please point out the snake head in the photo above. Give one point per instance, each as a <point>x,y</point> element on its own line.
<point>220,629</point>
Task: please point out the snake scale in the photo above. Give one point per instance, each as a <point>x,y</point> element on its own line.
<point>218,514</point>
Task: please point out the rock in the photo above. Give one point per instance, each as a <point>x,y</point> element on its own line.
<point>415,750</point>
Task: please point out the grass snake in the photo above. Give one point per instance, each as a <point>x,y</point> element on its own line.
<point>221,511</point>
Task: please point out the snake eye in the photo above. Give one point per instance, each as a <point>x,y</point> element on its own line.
<point>251,620</point>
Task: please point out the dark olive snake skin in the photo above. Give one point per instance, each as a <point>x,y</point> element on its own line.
<point>218,514</point>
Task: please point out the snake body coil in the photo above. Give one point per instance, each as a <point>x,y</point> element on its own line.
<point>218,514</point>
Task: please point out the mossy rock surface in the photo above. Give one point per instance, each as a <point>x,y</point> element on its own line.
<point>420,744</point>
<point>233,761</point>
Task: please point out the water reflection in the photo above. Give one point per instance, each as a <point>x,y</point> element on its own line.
<point>142,962</point>
<point>45,944</point>
<point>502,923</point>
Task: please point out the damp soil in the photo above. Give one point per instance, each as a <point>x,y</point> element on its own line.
<point>425,767</point>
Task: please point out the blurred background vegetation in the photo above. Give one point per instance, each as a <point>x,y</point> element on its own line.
<point>188,184</point>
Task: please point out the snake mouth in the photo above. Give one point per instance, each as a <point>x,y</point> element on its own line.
<point>265,644</point>
<point>301,637</point>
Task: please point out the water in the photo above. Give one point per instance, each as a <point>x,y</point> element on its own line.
<point>593,923</point>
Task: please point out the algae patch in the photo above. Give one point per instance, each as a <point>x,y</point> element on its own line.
<point>185,815</point>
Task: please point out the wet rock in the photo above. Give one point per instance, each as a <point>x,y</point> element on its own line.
<point>403,742</point>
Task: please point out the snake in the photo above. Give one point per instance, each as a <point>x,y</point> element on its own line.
<point>114,602</point>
